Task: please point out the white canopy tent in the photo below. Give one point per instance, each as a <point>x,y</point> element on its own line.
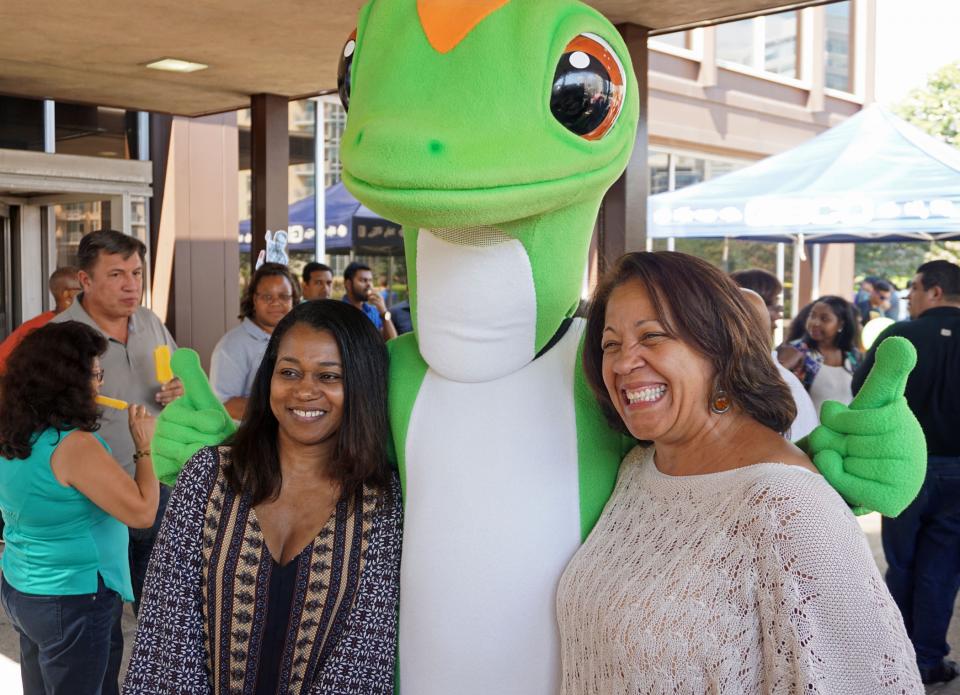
<point>873,177</point>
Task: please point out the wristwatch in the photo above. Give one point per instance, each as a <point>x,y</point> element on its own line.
<point>386,316</point>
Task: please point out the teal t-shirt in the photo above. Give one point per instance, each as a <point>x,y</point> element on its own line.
<point>57,540</point>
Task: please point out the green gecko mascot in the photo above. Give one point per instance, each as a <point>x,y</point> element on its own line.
<point>491,129</point>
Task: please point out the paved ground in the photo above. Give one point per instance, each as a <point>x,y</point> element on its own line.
<point>10,650</point>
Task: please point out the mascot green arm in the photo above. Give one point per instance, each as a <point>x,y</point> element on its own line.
<point>195,420</point>
<point>873,451</point>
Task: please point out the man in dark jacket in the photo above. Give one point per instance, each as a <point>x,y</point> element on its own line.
<point>922,545</point>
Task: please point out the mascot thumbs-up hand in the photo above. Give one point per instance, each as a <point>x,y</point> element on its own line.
<point>195,420</point>
<point>873,451</point>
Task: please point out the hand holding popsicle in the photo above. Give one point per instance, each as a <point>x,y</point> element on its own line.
<point>142,425</point>
<point>170,391</point>
<point>170,387</point>
<point>161,361</point>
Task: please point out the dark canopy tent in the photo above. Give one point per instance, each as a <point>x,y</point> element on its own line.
<point>349,226</point>
<point>874,177</point>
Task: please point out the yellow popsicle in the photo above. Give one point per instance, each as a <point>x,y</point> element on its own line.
<point>161,359</point>
<point>115,403</point>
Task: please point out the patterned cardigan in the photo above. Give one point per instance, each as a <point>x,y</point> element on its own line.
<point>170,653</point>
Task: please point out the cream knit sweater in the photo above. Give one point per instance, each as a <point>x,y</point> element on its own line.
<point>756,580</point>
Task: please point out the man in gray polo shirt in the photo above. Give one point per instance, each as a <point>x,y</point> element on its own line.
<point>111,275</point>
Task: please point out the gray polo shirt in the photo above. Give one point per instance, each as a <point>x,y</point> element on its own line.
<point>129,373</point>
<point>235,360</point>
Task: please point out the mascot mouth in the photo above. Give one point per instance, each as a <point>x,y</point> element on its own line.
<point>493,205</point>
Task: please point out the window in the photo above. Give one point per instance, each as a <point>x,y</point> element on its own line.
<point>659,163</point>
<point>670,171</point>
<point>95,131</point>
<point>735,42</point>
<point>687,171</point>
<point>839,32</point>
<point>21,124</point>
<point>300,177</point>
<point>334,122</point>
<point>678,39</point>
<point>780,44</point>
<point>764,43</point>
<point>72,221</point>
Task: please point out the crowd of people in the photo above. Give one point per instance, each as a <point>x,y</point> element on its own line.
<point>274,564</point>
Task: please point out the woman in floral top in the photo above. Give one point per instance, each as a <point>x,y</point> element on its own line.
<point>825,358</point>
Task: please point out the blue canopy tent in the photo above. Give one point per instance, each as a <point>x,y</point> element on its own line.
<point>349,225</point>
<point>873,177</point>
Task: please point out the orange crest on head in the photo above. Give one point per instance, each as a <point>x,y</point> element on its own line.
<point>447,22</point>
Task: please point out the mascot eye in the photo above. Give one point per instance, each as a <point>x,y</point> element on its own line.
<point>588,87</point>
<point>345,68</point>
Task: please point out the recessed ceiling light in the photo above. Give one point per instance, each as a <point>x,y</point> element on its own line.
<point>176,65</point>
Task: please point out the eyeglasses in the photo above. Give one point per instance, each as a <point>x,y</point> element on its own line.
<point>98,375</point>
<point>275,298</point>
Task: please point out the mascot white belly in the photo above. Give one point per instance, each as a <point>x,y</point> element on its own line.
<point>492,496</point>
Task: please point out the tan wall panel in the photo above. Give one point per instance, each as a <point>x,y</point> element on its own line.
<point>204,161</point>
<point>836,270</point>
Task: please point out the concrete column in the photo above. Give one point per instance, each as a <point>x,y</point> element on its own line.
<point>32,286</point>
<point>707,76</point>
<point>269,159</point>
<point>863,51</point>
<point>813,36</point>
<point>623,215</point>
<point>198,223</point>
<point>120,213</point>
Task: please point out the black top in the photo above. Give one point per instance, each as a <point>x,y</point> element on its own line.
<point>933,388</point>
<point>279,600</point>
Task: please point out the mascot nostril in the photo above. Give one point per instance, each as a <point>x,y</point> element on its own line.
<point>436,147</point>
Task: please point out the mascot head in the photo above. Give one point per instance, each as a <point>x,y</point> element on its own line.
<point>485,121</point>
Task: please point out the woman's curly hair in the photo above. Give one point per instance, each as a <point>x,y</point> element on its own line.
<point>47,384</point>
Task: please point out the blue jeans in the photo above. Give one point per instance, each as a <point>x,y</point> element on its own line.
<point>141,544</point>
<point>922,547</point>
<point>68,644</point>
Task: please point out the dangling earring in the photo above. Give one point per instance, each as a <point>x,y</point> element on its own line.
<point>720,403</point>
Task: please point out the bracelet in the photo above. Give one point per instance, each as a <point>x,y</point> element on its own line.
<point>141,454</point>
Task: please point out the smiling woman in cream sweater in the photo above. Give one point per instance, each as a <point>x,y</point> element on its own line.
<point>723,563</point>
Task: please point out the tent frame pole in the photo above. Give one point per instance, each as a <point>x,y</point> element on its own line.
<point>795,288</point>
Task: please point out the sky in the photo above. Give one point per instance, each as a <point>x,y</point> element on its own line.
<point>914,38</point>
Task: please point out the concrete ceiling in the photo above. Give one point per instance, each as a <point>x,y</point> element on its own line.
<point>93,51</point>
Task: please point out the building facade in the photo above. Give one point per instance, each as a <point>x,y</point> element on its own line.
<point>719,98</point>
<point>724,96</point>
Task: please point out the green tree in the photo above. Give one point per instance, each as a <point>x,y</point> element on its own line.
<point>935,109</point>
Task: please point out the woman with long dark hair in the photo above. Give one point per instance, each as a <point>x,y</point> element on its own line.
<point>65,501</point>
<point>278,563</point>
<point>827,354</point>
